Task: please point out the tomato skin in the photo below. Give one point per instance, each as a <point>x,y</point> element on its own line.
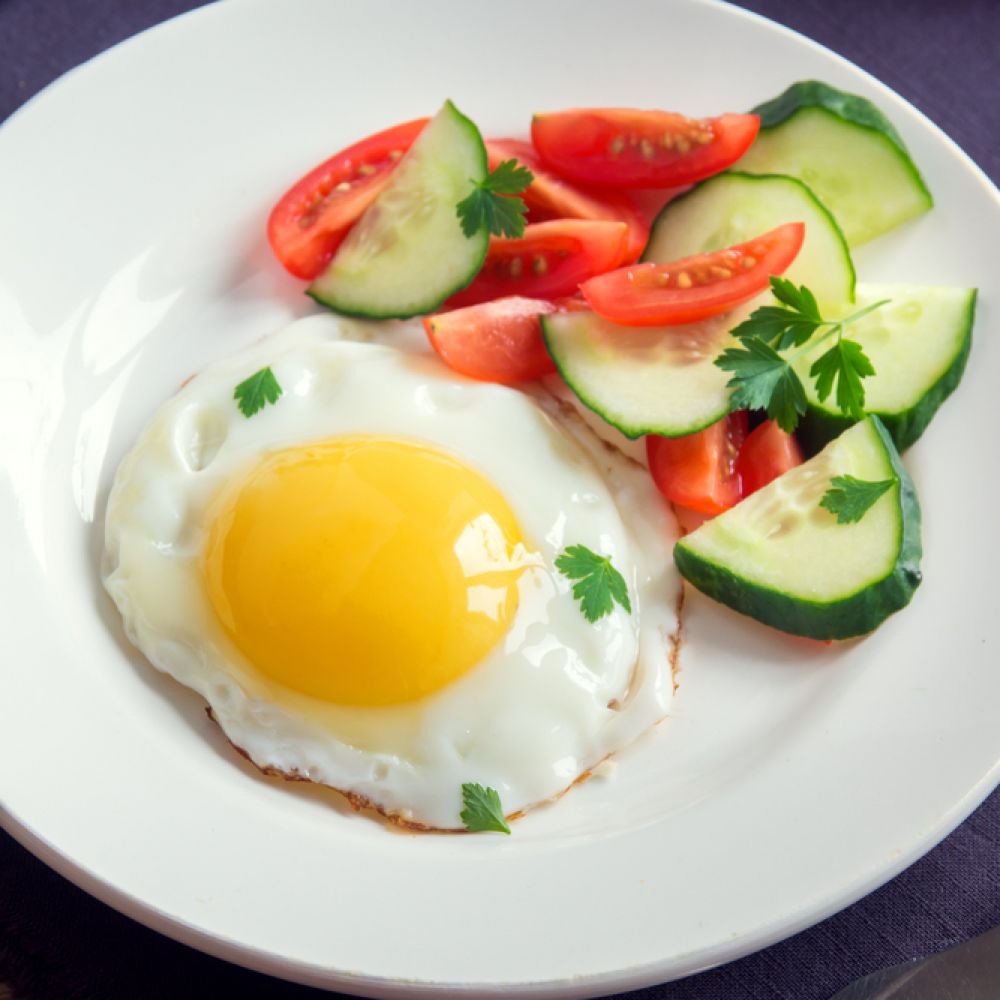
<point>767,453</point>
<point>698,471</point>
<point>710,471</point>
<point>696,287</point>
<point>549,261</point>
<point>499,341</point>
<point>552,197</point>
<point>627,147</point>
<point>311,219</point>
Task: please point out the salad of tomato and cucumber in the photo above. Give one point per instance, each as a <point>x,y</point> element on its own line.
<point>773,388</point>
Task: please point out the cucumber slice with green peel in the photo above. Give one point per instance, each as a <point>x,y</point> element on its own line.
<point>779,557</point>
<point>644,380</point>
<point>407,253</point>
<point>847,151</point>
<point>735,207</point>
<point>918,344</point>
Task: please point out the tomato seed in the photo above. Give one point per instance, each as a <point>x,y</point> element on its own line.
<point>684,280</point>
<point>617,145</point>
<point>540,265</point>
<point>667,141</point>
<point>516,266</point>
<point>720,272</point>
<point>646,148</point>
<point>749,262</point>
<point>683,144</point>
<point>366,170</point>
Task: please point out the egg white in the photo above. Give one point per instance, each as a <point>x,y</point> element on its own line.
<point>553,699</point>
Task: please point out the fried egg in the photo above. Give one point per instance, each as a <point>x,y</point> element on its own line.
<point>360,578</point>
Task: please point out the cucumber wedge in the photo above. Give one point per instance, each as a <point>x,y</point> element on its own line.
<point>781,558</point>
<point>918,343</point>
<point>644,380</point>
<point>735,207</point>
<point>407,253</point>
<point>847,151</point>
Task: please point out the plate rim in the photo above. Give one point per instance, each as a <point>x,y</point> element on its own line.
<point>272,963</point>
<point>362,985</point>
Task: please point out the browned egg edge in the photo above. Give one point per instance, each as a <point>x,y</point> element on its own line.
<point>362,803</point>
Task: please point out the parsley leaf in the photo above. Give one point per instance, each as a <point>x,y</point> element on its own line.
<point>256,392</point>
<point>599,585</point>
<point>776,326</point>
<point>482,809</point>
<point>850,498</point>
<point>510,177</point>
<point>846,363</point>
<point>764,379</point>
<point>490,204</point>
<point>800,299</point>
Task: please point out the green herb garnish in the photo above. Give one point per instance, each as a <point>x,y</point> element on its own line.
<point>256,392</point>
<point>850,498</point>
<point>598,584</point>
<point>764,379</point>
<point>482,809</point>
<point>491,204</point>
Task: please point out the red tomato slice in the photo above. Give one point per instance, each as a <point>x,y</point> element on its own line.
<point>631,148</point>
<point>499,341</point>
<point>695,287</point>
<point>766,454</point>
<point>314,215</point>
<point>699,470</point>
<point>551,197</point>
<point>548,262</point>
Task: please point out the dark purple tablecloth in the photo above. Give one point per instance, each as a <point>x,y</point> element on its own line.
<point>56,943</point>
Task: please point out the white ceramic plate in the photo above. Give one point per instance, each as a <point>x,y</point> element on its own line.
<point>790,780</point>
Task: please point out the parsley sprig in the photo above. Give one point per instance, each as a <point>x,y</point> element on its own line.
<point>598,584</point>
<point>491,203</point>
<point>482,809</point>
<point>257,391</point>
<point>763,377</point>
<point>850,498</point>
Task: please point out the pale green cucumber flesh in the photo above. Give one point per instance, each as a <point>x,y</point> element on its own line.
<point>918,344</point>
<point>407,253</point>
<point>644,380</point>
<point>735,207</point>
<point>848,153</point>
<point>779,557</point>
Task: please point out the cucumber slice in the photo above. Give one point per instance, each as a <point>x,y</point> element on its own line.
<point>735,207</point>
<point>918,343</point>
<point>847,151</point>
<point>644,380</point>
<point>408,253</point>
<point>781,558</point>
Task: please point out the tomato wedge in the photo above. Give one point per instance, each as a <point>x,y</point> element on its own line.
<point>314,215</point>
<point>695,287</point>
<point>766,454</point>
<point>499,341</point>
<point>551,197</point>
<point>640,149</point>
<point>698,471</point>
<point>549,261</point>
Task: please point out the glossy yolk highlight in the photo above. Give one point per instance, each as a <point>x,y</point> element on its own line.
<point>362,570</point>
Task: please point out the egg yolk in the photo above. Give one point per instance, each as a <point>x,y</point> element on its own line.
<point>363,570</point>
